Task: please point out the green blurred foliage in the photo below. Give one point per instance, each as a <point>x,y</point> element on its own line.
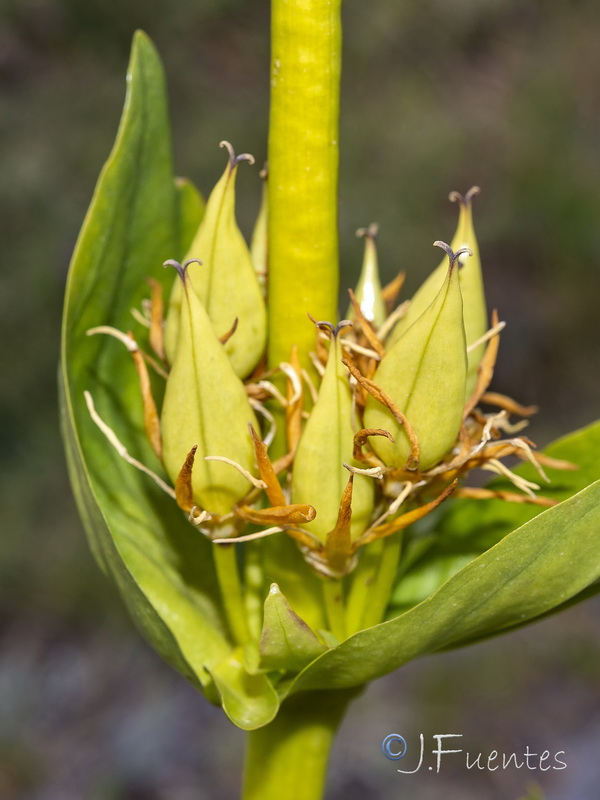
<point>436,96</point>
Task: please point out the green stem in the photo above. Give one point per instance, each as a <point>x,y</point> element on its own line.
<point>228,577</point>
<point>288,758</point>
<point>333,595</point>
<point>379,595</point>
<point>363,580</point>
<point>303,172</point>
<point>254,584</point>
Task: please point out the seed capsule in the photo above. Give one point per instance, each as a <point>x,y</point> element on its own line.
<point>205,404</point>
<point>368,288</point>
<point>471,285</point>
<point>319,477</point>
<point>258,242</point>
<point>227,285</point>
<point>424,374</point>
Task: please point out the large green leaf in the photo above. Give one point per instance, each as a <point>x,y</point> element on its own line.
<point>138,218</point>
<point>469,527</point>
<point>539,567</point>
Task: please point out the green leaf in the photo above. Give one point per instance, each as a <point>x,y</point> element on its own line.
<point>286,641</point>
<point>533,570</point>
<point>162,566</point>
<point>470,527</point>
<point>248,699</point>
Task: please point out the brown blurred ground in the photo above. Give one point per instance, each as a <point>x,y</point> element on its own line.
<point>436,96</point>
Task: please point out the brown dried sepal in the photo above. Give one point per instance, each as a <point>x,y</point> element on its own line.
<point>156,318</point>
<point>555,463</point>
<point>265,470</point>
<point>256,392</point>
<point>476,493</point>
<point>391,290</point>
<point>227,336</point>
<point>375,391</point>
<point>486,369</point>
<point>183,485</point>
<point>308,542</point>
<point>151,418</point>
<point>337,552</point>
<point>404,520</point>
<point>294,514</point>
<point>280,513</point>
<point>361,438</point>
<point>293,411</point>
<point>365,327</point>
<point>508,404</point>
<point>497,450</point>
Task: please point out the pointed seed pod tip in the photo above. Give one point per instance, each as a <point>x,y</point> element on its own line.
<point>233,159</point>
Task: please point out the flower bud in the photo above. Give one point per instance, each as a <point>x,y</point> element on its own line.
<point>368,289</point>
<point>471,285</point>
<point>424,374</point>
<point>227,284</point>
<point>205,404</point>
<point>319,477</point>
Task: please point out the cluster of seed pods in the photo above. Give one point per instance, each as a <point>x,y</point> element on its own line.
<point>393,426</point>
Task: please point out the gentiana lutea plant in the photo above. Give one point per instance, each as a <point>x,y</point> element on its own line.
<point>252,470</point>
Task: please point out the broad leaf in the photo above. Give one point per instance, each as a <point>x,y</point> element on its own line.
<point>541,566</point>
<point>137,219</point>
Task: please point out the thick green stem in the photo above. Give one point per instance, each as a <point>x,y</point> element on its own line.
<point>288,758</point>
<point>303,172</point>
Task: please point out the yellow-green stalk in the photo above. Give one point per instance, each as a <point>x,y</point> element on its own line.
<point>303,172</point>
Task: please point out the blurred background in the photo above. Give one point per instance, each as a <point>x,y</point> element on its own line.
<point>436,96</point>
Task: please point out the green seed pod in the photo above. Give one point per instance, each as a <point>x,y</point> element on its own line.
<point>368,288</point>
<point>227,286</point>
<point>205,404</point>
<point>324,447</point>
<point>471,285</point>
<point>424,374</point>
<point>258,242</point>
